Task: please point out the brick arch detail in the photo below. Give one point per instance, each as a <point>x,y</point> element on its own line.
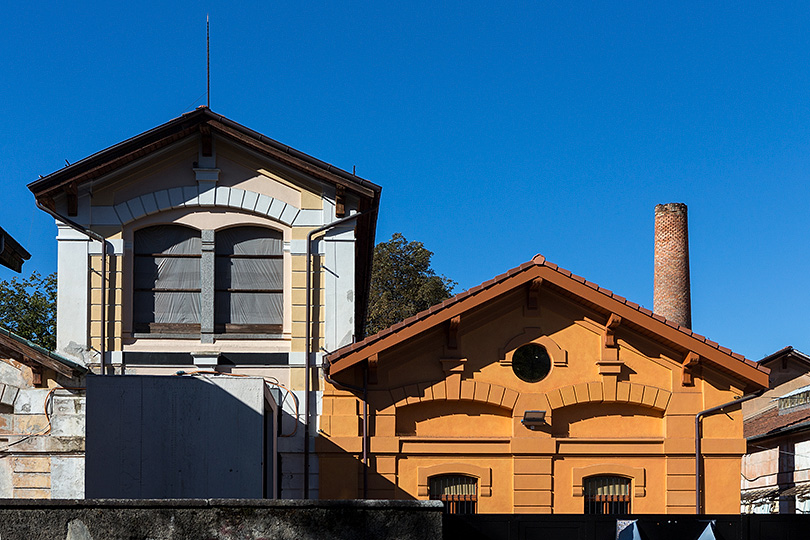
<point>637,476</point>
<point>484,475</point>
<point>642,395</point>
<point>453,389</point>
<point>216,197</point>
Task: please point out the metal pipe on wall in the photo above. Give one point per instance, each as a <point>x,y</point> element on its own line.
<point>308,332</point>
<point>97,237</point>
<point>364,390</point>
<point>701,414</point>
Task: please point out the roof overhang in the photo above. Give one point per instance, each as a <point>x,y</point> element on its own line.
<point>633,316</point>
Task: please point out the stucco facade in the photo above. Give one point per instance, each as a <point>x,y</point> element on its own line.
<point>205,175</point>
<point>619,398</point>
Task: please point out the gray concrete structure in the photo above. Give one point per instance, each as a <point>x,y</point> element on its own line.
<point>219,519</point>
<point>180,437</point>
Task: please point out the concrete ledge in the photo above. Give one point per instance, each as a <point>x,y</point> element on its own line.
<point>226,519</point>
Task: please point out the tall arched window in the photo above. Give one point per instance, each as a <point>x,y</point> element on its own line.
<point>166,294</point>
<point>607,495</point>
<point>249,276</point>
<point>459,493</point>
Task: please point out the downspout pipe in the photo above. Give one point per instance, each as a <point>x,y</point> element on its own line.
<point>364,390</point>
<point>701,414</point>
<point>308,333</point>
<point>97,237</point>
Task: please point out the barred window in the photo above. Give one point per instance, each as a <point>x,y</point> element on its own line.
<point>607,495</point>
<point>459,493</point>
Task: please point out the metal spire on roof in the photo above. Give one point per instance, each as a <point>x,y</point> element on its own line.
<point>208,59</point>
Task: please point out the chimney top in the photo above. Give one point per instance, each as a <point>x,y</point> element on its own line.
<point>671,297</point>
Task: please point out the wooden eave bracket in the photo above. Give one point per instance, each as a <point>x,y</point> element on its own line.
<point>373,361</point>
<point>452,332</point>
<point>609,363</point>
<point>72,192</point>
<point>207,140</point>
<point>690,363</point>
<point>340,201</point>
<point>533,297</point>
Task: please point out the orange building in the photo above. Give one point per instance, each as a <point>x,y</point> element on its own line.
<point>537,391</point>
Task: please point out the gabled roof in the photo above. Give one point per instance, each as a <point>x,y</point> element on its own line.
<point>31,354</point>
<point>787,351</point>
<point>203,121</point>
<point>200,120</point>
<point>12,254</point>
<point>640,319</point>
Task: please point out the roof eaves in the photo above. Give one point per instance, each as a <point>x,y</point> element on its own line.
<point>75,366</point>
<point>540,261</point>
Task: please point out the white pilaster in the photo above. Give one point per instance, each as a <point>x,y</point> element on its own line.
<point>72,293</point>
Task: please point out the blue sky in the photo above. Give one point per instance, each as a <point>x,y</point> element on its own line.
<point>497,131</point>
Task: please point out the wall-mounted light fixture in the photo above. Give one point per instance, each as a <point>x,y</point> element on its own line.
<point>534,419</point>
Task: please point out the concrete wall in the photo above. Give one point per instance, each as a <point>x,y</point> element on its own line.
<point>219,520</point>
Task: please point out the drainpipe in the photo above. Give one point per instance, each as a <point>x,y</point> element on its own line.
<point>307,335</point>
<point>364,389</point>
<point>97,237</point>
<point>698,472</point>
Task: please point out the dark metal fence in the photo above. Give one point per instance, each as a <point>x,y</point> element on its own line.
<point>649,527</point>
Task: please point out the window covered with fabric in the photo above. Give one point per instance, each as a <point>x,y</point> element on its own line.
<point>459,493</point>
<point>166,292</point>
<point>248,281</point>
<point>607,495</point>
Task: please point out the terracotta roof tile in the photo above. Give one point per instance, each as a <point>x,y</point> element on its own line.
<point>538,260</point>
<point>771,422</point>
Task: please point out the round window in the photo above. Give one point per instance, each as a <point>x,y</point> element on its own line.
<point>531,362</point>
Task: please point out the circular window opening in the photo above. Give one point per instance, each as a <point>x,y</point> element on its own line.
<point>531,362</point>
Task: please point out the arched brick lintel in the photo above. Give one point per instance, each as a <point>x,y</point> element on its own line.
<point>214,197</point>
<point>453,389</point>
<point>484,475</point>
<point>637,476</point>
<point>599,392</point>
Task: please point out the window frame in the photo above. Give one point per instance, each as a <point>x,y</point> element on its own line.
<point>457,503</point>
<point>607,504</point>
<point>134,330</point>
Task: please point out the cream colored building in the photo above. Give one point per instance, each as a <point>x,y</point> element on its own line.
<point>205,226</point>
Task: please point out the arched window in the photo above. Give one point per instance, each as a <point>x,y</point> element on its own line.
<point>459,493</point>
<point>249,280</point>
<point>166,292</point>
<point>607,495</point>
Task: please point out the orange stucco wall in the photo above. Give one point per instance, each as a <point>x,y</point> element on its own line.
<point>439,410</point>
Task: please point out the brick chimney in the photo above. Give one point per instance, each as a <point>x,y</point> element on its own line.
<point>671,296</point>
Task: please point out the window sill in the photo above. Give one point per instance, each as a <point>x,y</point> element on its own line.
<point>143,335</point>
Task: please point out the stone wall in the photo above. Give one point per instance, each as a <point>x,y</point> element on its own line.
<point>41,453</point>
<point>223,519</point>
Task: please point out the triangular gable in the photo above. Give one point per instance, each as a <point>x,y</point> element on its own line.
<point>204,122</point>
<point>546,274</point>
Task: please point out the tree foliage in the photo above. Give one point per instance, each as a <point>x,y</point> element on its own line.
<point>402,283</point>
<point>28,308</point>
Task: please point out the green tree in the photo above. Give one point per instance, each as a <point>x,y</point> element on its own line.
<point>28,308</point>
<point>402,283</point>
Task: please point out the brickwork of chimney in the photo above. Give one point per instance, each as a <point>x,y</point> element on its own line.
<point>671,297</point>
